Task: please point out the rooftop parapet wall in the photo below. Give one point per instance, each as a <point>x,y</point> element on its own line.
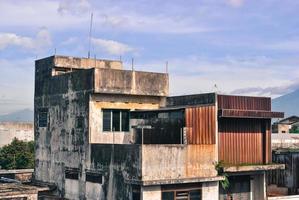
<point>191,100</point>
<point>79,63</point>
<point>131,82</point>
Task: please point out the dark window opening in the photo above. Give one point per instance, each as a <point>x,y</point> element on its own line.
<point>194,194</point>
<point>94,177</point>
<point>80,122</point>
<point>115,120</point>
<point>125,121</point>
<point>43,117</point>
<point>106,120</point>
<point>72,174</point>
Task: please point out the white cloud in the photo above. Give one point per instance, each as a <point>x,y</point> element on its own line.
<point>42,40</point>
<point>262,76</point>
<point>77,7</point>
<point>110,46</point>
<point>235,3</point>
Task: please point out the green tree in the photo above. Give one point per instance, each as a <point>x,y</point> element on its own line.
<point>294,129</point>
<point>17,155</point>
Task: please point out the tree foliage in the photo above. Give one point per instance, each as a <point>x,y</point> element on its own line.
<point>294,129</point>
<point>17,155</point>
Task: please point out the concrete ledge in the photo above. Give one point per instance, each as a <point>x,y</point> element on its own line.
<point>16,171</point>
<point>248,168</point>
<point>284,197</point>
<point>176,181</point>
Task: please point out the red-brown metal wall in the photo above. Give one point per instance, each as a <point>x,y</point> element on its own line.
<point>244,141</point>
<point>243,103</point>
<point>201,125</point>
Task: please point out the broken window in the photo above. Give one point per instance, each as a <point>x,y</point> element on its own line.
<point>94,177</point>
<point>115,120</point>
<point>43,117</point>
<point>72,174</point>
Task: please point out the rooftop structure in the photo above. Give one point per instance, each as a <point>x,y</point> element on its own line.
<point>287,125</point>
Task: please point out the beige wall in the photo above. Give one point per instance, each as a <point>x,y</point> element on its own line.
<point>10,130</point>
<point>96,117</point>
<point>160,162</point>
<point>283,128</point>
<point>151,193</point>
<point>210,190</point>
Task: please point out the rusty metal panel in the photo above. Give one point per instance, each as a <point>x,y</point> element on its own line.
<point>241,141</point>
<point>249,114</point>
<point>201,125</point>
<point>243,102</point>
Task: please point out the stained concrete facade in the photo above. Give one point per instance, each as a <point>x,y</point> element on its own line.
<point>70,95</point>
<point>20,130</point>
<point>78,101</point>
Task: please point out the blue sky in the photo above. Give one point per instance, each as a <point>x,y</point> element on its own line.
<point>244,47</point>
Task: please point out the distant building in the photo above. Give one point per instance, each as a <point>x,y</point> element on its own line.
<point>102,132</point>
<point>20,130</point>
<point>287,125</point>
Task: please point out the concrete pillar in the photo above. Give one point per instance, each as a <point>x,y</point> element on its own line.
<point>258,186</point>
<point>151,193</point>
<point>210,190</point>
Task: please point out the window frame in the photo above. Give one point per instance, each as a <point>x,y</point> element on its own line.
<point>121,121</point>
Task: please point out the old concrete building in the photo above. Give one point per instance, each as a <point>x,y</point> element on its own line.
<point>102,132</point>
<point>20,130</point>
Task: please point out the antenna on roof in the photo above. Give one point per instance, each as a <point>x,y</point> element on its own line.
<point>90,29</point>
<point>55,51</point>
<point>132,64</point>
<point>166,67</point>
<point>215,88</point>
<point>120,58</point>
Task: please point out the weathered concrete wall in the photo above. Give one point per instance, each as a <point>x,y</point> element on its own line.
<point>151,193</point>
<point>81,63</point>
<point>258,186</point>
<point>20,130</point>
<point>160,162</point>
<point>210,190</point>
<point>72,189</point>
<point>131,82</point>
<point>61,144</point>
<point>100,101</point>
<point>120,165</point>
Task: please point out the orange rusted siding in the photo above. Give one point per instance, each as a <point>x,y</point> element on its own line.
<point>201,125</point>
<point>244,141</point>
<point>243,103</point>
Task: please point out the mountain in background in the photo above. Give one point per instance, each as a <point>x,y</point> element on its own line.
<point>288,103</point>
<point>25,115</point>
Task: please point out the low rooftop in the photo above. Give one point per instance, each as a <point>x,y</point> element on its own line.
<point>58,61</point>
